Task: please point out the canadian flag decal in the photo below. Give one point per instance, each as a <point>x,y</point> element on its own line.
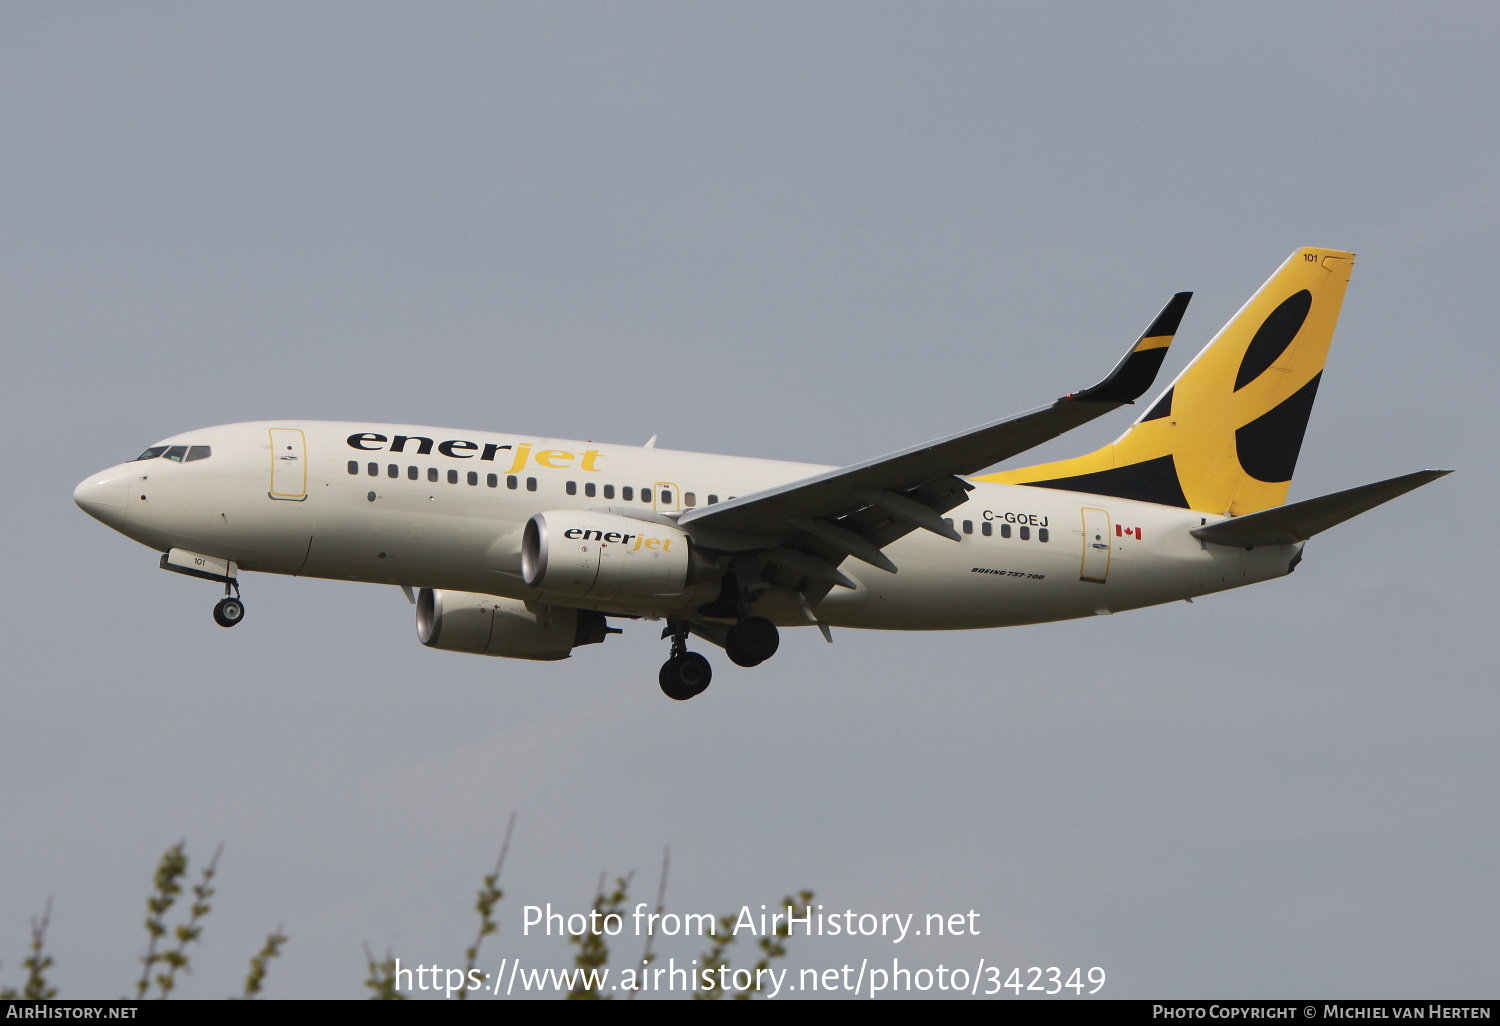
<point>1128,532</point>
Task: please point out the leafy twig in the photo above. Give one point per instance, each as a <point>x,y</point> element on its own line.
<point>258,964</point>
<point>38,962</point>
<point>712,961</point>
<point>489,895</point>
<point>168,872</point>
<point>187,933</point>
<point>593,952</point>
<point>647,955</point>
<point>382,978</point>
<point>775,946</point>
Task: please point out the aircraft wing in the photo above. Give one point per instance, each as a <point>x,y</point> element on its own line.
<point>859,509</point>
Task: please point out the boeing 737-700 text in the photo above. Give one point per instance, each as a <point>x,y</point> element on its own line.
<point>525,547</point>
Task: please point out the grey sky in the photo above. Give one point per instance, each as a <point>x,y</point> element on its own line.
<point>806,231</point>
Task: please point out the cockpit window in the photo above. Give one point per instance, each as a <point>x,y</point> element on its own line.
<point>177,453</point>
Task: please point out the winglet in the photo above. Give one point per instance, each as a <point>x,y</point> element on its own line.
<point>1134,374</point>
<point>1299,521</point>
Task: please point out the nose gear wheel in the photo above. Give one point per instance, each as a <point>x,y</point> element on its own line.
<point>229,612</point>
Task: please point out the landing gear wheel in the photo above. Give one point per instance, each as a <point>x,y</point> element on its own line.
<point>684,676</point>
<point>229,612</point>
<point>752,641</point>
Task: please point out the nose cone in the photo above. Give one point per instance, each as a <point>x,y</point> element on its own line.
<point>104,496</point>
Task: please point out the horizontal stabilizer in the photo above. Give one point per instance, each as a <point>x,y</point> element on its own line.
<point>1286,525</point>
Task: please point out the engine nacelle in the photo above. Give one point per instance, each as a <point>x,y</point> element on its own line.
<point>602,556</point>
<point>461,621</point>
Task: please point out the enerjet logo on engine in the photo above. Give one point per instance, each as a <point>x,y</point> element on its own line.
<point>618,537</point>
<point>459,449</point>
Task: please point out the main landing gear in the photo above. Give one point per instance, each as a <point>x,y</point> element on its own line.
<point>230,610</point>
<point>752,641</point>
<point>748,643</point>
<point>685,676</point>
<point>685,673</point>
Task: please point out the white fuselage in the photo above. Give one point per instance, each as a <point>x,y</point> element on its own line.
<point>333,500</point>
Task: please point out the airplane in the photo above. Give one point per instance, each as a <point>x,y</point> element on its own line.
<point>526,547</point>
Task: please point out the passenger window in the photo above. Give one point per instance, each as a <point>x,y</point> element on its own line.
<point>588,489</point>
<point>354,466</point>
<point>453,477</point>
<point>1005,530</point>
<point>411,473</point>
<point>432,474</point>
<point>392,471</point>
<point>689,499</point>
<point>531,484</point>
<point>175,454</point>
<point>1025,534</point>
<point>151,453</point>
<point>511,482</point>
<point>373,469</point>
<point>986,529</point>
<point>666,497</point>
<point>493,480</point>
<point>968,527</point>
<point>473,477</point>
<point>1041,534</point>
<point>609,491</point>
<point>627,493</point>
<point>645,495</point>
<point>198,452</point>
<point>712,499</point>
<point>571,488</point>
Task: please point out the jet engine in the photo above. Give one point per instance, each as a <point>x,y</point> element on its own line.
<point>603,557</point>
<point>461,621</point>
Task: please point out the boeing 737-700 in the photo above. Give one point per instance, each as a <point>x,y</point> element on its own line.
<point>525,547</point>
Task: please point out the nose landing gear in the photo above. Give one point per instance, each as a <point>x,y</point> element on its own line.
<point>229,610</point>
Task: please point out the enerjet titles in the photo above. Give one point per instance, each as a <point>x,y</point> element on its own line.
<point>459,449</point>
<point>641,541</point>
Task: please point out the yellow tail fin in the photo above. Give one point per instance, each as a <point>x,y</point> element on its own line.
<point>1224,437</point>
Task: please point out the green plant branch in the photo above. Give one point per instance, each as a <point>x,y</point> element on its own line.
<point>186,933</point>
<point>489,894</point>
<point>647,955</point>
<point>258,964</point>
<point>168,874</point>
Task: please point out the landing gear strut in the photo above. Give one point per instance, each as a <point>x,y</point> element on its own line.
<point>229,611</point>
<point>752,641</point>
<point>686,673</point>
